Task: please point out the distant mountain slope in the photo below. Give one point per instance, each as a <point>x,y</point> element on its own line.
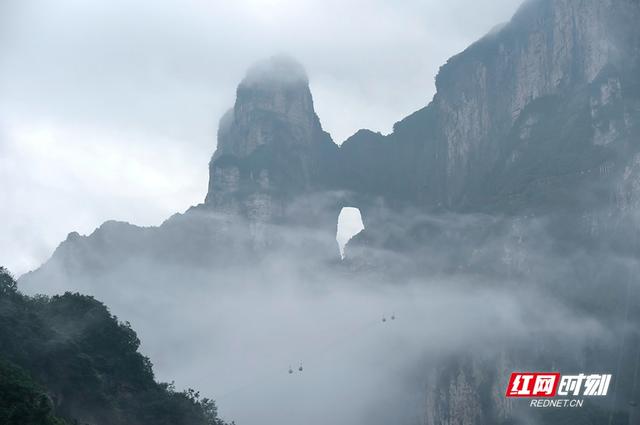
<point>67,354</point>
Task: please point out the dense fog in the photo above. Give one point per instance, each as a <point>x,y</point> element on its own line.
<point>368,342</point>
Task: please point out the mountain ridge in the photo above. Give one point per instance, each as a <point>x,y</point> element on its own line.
<point>537,116</point>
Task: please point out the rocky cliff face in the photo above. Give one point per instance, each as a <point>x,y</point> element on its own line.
<point>498,105</point>
<point>271,146</point>
<point>550,48</point>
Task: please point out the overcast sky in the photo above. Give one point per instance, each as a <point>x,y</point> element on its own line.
<point>108,109</point>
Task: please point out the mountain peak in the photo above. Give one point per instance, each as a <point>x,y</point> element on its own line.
<point>279,70</point>
<point>273,96</point>
<point>270,144</point>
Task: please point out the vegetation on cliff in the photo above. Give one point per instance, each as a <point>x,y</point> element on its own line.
<point>66,359</point>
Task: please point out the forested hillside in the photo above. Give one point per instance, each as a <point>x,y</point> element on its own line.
<point>67,360</point>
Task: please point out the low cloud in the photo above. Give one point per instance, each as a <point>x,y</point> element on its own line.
<point>234,330</point>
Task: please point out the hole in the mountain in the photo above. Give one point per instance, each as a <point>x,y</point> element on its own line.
<point>349,225</point>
